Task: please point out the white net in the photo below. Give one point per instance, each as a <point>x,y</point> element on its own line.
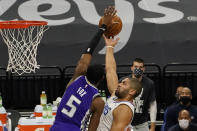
<point>22,46</point>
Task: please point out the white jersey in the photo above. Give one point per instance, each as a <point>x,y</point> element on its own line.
<point>107,115</point>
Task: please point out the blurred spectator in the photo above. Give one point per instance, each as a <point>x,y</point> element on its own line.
<point>184,103</point>
<point>178,92</point>
<point>184,124</point>
<point>146,101</point>
<point>177,96</point>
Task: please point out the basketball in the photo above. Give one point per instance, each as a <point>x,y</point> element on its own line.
<point>114,28</point>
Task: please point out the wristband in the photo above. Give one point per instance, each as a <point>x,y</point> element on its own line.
<point>109,46</point>
<point>103,27</point>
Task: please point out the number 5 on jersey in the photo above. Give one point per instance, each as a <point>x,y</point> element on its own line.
<point>73,109</point>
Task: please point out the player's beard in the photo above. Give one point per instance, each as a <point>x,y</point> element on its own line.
<point>121,94</point>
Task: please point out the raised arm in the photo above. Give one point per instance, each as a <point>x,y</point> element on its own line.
<point>85,59</point>
<point>110,63</point>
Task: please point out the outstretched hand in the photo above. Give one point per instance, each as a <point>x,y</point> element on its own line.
<point>111,41</point>
<point>109,13</point>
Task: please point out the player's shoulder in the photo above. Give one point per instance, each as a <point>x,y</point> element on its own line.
<point>123,109</point>
<point>128,103</point>
<point>79,78</point>
<point>124,106</point>
<point>123,113</point>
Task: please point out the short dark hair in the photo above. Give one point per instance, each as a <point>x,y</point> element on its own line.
<point>184,110</point>
<point>139,60</point>
<point>136,85</point>
<point>95,73</point>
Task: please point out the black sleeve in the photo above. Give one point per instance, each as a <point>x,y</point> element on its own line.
<point>94,42</point>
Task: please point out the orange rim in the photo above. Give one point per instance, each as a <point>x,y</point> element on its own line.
<point>20,24</point>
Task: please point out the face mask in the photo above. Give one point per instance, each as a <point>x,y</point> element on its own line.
<point>184,124</point>
<point>138,72</point>
<point>185,99</point>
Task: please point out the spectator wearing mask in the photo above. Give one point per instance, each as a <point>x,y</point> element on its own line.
<point>184,103</point>
<point>146,101</point>
<point>184,122</point>
<point>177,96</point>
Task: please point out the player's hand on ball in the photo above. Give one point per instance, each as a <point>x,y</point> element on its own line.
<point>109,13</point>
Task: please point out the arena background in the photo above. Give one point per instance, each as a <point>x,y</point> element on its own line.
<point>159,31</point>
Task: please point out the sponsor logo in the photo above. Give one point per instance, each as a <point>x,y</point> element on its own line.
<point>54,11</point>
<point>192,18</point>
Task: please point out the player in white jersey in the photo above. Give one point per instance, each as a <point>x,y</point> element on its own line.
<point>118,112</point>
<point>107,116</point>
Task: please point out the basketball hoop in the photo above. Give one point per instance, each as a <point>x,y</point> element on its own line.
<point>22,39</point>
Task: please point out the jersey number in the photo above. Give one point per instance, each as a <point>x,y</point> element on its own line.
<point>73,109</point>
